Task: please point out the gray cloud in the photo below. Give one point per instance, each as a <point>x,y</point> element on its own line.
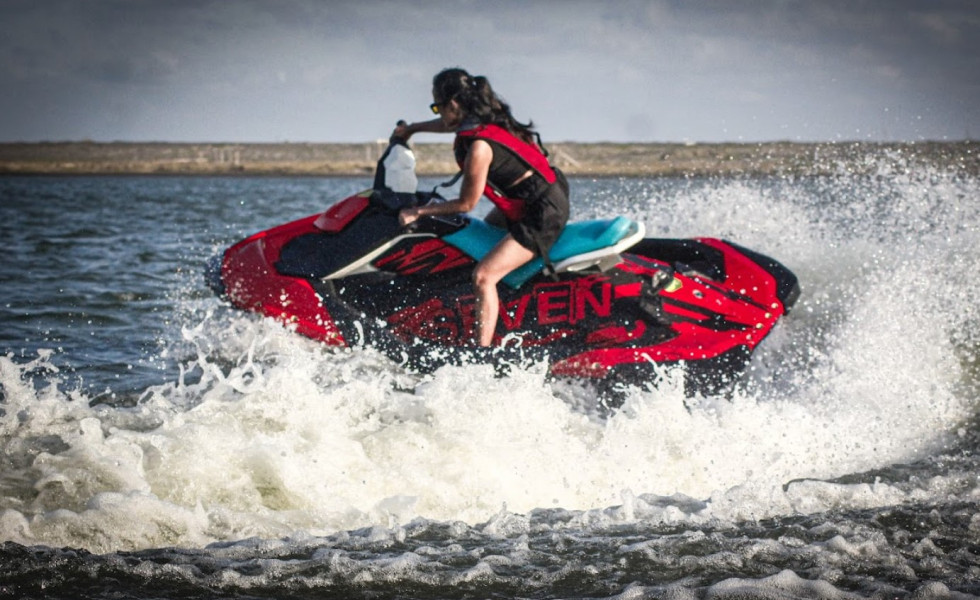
<point>258,70</point>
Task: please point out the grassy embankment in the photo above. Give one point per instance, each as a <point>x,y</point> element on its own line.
<point>581,159</point>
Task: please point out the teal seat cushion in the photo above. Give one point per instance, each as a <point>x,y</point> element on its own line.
<point>478,238</point>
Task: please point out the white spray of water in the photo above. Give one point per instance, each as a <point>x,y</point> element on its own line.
<point>270,433</point>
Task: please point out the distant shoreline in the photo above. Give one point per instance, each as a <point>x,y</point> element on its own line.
<point>576,159</point>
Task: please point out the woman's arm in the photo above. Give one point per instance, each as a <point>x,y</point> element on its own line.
<point>475,170</point>
<point>434,126</point>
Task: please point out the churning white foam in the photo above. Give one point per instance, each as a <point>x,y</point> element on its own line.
<point>267,433</point>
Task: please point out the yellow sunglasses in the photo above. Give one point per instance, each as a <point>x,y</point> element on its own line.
<point>435,107</point>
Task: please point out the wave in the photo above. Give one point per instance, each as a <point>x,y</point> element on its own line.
<point>262,433</point>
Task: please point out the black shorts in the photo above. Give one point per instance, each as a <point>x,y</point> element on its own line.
<point>544,218</point>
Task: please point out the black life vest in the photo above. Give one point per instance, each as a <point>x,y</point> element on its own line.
<point>530,154</point>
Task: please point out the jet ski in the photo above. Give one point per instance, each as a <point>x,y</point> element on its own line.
<point>613,303</point>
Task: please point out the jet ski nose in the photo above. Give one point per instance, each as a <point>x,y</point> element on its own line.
<point>212,274</point>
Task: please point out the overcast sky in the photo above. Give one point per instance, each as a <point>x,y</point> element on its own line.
<point>589,70</point>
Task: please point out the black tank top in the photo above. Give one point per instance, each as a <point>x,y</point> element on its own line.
<point>506,168</point>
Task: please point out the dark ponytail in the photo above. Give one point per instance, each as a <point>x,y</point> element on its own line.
<point>478,100</point>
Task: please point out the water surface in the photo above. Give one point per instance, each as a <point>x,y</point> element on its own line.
<point>155,442</point>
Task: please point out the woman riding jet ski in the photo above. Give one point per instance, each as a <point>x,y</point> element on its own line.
<point>499,158</point>
<point>601,303</point>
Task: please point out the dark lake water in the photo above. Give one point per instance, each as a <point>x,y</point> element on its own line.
<point>156,443</point>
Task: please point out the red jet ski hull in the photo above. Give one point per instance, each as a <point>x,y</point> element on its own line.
<point>351,276</point>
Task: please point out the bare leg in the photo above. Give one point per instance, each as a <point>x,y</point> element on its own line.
<point>506,256</point>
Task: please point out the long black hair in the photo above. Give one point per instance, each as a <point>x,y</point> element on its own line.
<point>478,100</point>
